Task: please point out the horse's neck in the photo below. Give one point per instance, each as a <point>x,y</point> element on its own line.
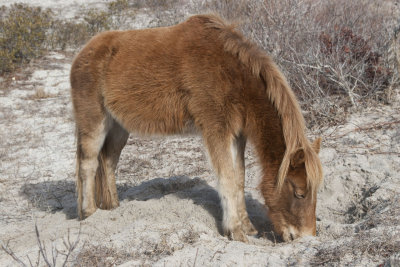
<point>267,137</point>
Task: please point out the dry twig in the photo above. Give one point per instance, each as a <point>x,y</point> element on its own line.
<point>70,246</point>
<point>368,128</point>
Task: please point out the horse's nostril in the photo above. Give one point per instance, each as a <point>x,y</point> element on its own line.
<point>291,236</point>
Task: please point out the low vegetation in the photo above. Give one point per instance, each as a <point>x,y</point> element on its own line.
<point>337,55</point>
<point>22,35</point>
<point>29,32</point>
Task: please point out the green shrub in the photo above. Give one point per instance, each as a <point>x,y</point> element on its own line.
<point>97,21</point>
<point>27,32</point>
<point>118,6</point>
<point>157,4</point>
<point>68,34</point>
<point>22,34</point>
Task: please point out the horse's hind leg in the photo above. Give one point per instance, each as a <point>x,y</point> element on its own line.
<point>90,139</point>
<point>106,189</point>
<point>224,152</point>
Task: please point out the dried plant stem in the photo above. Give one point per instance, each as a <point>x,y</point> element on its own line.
<point>368,128</point>
<point>70,246</point>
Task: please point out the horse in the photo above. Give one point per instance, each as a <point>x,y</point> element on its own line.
<point>199,76</point>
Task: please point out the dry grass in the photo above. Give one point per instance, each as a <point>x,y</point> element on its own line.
<point>365,242</point>
<point>148,251</point>
<point>362,245</point>
<point>368,245</point>
<point>40,94</point>
<point>92,255</point>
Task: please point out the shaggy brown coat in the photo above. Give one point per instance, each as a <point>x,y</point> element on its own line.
<point>200,75</point>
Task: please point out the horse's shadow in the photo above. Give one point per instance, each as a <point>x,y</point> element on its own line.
<point>59,196</point>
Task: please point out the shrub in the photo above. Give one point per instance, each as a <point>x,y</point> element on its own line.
<point>97,21</point>
<point>22,34</point>
<point>349,49</point>
<point>68,34</point>
<point>118,6</point>
<point>120,12</point>
<point>334,53</point>
<point>157,4</point>
<point>76,33</point>
<point>27,32</point>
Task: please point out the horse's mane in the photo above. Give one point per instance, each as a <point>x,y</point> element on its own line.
<point>280,94</point>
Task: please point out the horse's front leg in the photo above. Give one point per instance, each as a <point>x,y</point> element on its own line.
<point>224,154</point>
<point>237,150</point>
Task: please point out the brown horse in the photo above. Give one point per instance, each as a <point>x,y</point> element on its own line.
<point>200,75</point>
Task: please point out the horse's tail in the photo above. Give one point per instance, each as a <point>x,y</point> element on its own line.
<point>103,197</point>
<point>78,183</point>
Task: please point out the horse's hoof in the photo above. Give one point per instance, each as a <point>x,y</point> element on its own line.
<point>239,235</point>
<point>86,213</point>
<point>249,228</point>
<point>108,206</point>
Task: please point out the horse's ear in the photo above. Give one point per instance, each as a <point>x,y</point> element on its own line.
<point>317,144</point>
<point>297,158</point>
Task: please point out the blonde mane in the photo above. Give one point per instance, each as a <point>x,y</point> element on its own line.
<point>280,94</point>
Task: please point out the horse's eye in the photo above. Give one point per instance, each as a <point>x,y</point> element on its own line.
<point>297,195</point>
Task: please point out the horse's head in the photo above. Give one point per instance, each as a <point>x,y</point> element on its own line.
<point>292,209</point>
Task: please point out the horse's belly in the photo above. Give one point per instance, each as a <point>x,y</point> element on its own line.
<point>150,113</point>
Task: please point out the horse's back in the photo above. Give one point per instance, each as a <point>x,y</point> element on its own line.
<point>161,80</point>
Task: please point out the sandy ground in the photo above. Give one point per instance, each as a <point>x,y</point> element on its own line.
<point>170,213</point>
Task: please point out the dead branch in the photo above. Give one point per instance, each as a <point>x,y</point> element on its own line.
<point>11,253</point>
<point>373,126</point>
<point>70,246</point>
<point>42,249</point>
